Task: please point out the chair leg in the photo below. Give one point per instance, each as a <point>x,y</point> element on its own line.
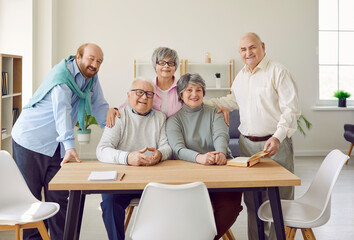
<point>17,232</point>
<point>290,233</point>
<point>228,235</point>
<point>43,230</point>
<point>128,214</point>
<point>308,234</point>
<point>350,151</point>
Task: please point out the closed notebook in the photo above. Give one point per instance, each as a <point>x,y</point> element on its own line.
<point>246,161</point>
<point>103,176</point>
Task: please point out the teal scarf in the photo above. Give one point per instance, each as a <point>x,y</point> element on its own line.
<point>58,75</point>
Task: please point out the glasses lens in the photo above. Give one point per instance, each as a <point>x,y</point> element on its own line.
<point>150,94</point>
<point>163,63</point>
<point>139,92</point>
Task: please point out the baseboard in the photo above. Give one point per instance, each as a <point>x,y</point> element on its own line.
<point>315,153</point>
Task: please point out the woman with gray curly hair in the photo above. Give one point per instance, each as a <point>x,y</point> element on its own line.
<point>197,133</point>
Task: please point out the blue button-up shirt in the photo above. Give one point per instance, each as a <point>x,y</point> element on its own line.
<point>52,120</point>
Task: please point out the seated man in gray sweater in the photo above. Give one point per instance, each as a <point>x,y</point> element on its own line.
<point>138,138</point>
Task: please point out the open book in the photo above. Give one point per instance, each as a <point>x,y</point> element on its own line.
<point>246,161</point>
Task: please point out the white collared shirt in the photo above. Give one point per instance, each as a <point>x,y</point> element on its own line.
<point>267,100</point>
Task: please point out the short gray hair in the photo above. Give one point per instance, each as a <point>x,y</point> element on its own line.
<point>164,52</point>
<point>192,78</point>
<point>142,79</point>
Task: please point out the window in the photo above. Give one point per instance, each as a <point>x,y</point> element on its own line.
<point>336,47</point>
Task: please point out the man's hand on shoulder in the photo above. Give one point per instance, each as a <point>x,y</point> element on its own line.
<point>271,146</point>
<point>70,154</point>
<point>226,113</point>
<point>144,158</point>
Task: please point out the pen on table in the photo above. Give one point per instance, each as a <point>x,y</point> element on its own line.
<point>121,178</point>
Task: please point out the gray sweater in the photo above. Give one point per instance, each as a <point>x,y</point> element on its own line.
<point>199,130</point>
<point>133,132</point>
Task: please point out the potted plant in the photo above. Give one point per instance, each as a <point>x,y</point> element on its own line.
<point>299,124</point>
<point>83,136</point>
<point>342,98</point>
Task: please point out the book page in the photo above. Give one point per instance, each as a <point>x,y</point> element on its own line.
<point>258,155</point>
<point>240,159</point>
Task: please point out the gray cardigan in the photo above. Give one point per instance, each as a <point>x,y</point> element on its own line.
<point>192,131</point>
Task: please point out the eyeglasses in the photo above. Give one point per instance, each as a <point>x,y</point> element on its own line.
<point>163,63</point>
<point>140,93</point>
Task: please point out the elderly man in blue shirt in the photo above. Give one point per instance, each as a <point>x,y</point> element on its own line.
<point>43,135</point>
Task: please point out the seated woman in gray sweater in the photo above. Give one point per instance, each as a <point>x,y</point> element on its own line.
<point>196,133</point>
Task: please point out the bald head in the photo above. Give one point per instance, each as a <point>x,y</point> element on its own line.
<point>251,49</point>
<point>251,35</point>
<point>80,51</point>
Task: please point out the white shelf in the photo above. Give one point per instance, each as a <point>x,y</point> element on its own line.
<point>144,64</point>
<point>218,89</point>
<point>5,135</point>
<point>333,108</point>
<point>208,70</point>
<point>12,95</point>
<point>11,64</point>
<point>208,64</point>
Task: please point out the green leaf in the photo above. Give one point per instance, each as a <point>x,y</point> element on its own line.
<point>89,120</point>
<point>308,125</point>
<point>340,94</point>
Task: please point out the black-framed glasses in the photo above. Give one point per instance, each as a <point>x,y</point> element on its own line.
<point>140,93</point>
<point>163,63</point>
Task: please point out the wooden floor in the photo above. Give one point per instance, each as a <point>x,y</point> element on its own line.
<point>340,226</point>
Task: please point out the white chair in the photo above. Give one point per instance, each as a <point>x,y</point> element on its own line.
<point>135,203</point>
<point>313,209</point>
<point>174,212</point>
<point>19,209</point>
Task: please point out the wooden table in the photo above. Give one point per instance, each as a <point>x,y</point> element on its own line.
<point>264,176</point>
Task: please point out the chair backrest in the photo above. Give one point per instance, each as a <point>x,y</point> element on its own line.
<point>13,187</point>
<point>319,193</point>
<point>349,132</point>
<point>174,212</point>
<point>234,124</point>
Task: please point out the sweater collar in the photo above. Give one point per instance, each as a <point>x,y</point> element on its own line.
<point>192,110</point>
<point>151,111</point>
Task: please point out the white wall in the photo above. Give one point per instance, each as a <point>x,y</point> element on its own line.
<point>16,37</point>
<point>128,30</point>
